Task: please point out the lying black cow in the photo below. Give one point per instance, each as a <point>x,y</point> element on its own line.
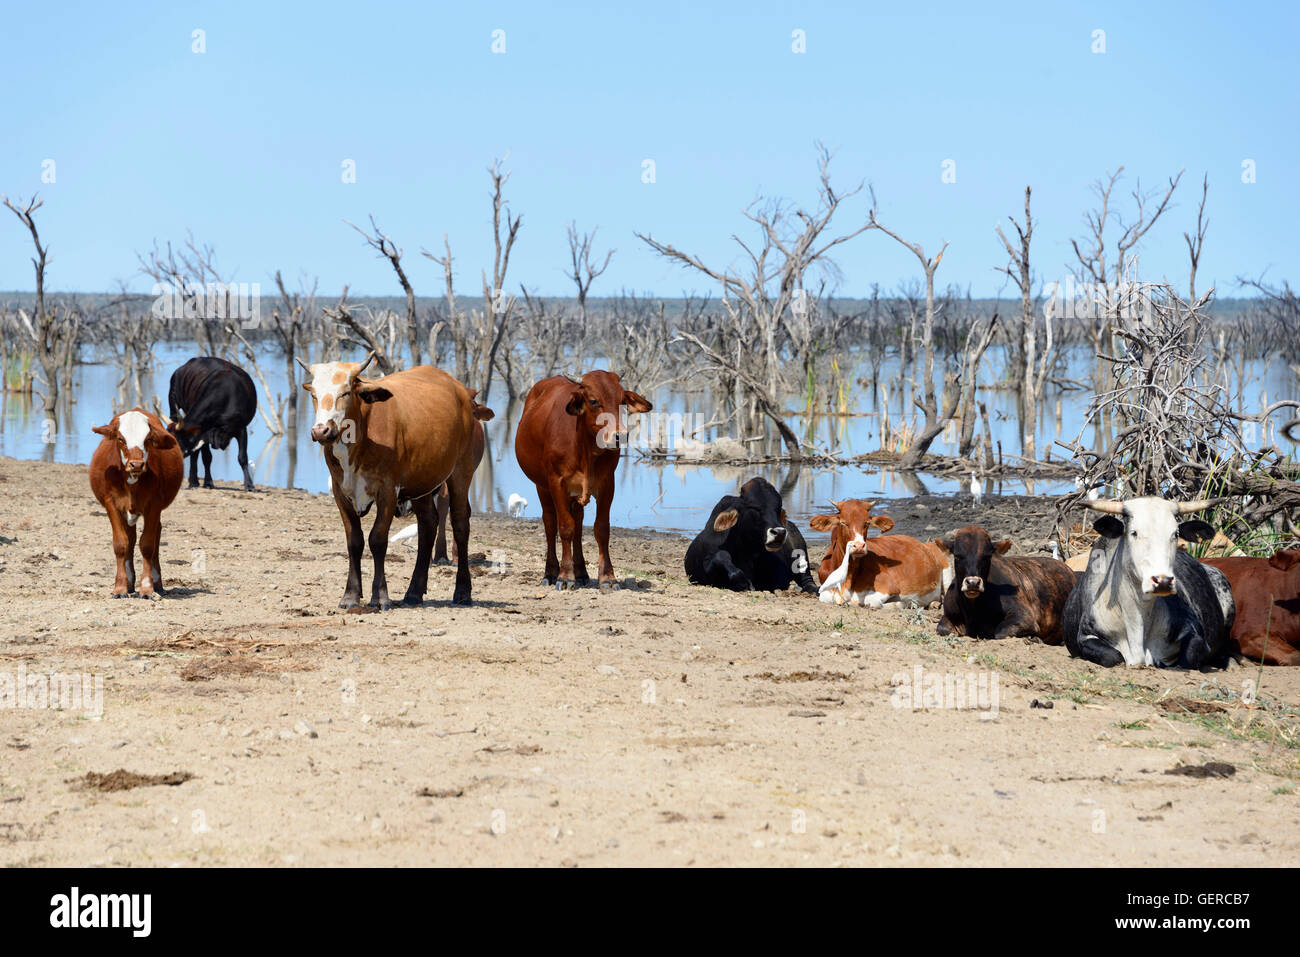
<point>994,596</point>
<point>212,401</point>
<point>748,544</point>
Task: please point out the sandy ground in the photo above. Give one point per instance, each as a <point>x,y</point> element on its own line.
<point>661,724</point>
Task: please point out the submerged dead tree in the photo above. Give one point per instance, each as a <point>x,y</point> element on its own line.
<point>753,352</point>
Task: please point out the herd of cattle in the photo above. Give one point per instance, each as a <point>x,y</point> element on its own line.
<point>409,442</point>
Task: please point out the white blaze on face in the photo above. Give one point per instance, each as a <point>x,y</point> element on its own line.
<point>331,389</point>
<point>134,429</point>
<point>1150,541</point>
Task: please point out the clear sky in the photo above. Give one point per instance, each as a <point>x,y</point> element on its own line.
<point>244,144</point>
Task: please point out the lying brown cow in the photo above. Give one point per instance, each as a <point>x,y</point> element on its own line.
<point>567,442</point>
<point>135,473</point>
<point>994,595</point>
<point>874,571</point>
<point>1266,592</point>
<point>389,441</point>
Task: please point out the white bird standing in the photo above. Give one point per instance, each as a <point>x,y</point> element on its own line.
<point>409,532</point>
<point>976,492</point>
<point>516,504</point>
<point>1056,549</point>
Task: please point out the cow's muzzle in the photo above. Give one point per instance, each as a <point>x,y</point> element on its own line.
<point>775,539</point>
<point>973,586</point>
<point>326,432</point>
<point>1163,585</point>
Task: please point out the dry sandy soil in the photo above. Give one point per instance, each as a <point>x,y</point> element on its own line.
<point>660,724</point>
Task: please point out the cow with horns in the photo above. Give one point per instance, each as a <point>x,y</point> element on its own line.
<point>392,442</point>
<point>1144,601</point>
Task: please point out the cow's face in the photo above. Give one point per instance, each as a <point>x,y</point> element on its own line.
<point>135,436</point>
<point>600,401</point>
<point>972,551</point>
<point>758,512</point>
<point>187,436</point>
<point>336,388</point>
<point>850,525</point>
<point>1148,530</point>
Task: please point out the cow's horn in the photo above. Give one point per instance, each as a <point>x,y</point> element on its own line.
<point>306,368</point>
<point>1197,505</point>
<point>1107,506</point>
<point>369,359</point>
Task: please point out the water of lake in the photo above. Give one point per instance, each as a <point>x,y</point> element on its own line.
<point>650,495</point>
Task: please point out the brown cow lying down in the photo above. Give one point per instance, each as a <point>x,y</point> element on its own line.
<point>135,473</point>
<point>871,572</point>
<point>993,595</point>
<point>388,442</point>
<point>568,443</point>
<point>1267,595</point>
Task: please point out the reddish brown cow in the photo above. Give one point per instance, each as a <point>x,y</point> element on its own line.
<point>1267,595</point>
<point>874,571</point>
<point>135,473</point>
<point>568,443</point>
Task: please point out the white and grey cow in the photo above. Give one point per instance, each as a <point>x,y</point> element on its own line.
<point>1144,601</point>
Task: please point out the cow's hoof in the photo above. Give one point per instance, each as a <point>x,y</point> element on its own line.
<point>548,580</point>
<point>347,603</point>
<point>120,594</point>
<point>249,488</point>
<point>209,485</point>
<point>444,560</point>
<point>462,598</point>
<point>563,584</point>
<point>384,604</point>
<point>412,601</point>
<point>609,585</point>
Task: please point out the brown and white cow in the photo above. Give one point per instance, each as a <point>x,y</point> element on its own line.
<point>568,443</point>
<point>393,441</point>
<point>871,572</point>
<point>1267,596</point>
<point>135,473</point>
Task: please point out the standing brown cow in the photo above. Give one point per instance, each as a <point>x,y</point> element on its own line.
<point>568,444</point>
<point>136,472</point>
<point>1267,595</point>
<point>389,441</point>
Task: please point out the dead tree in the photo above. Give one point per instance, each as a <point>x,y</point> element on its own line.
<point>376,334</point>
<point>1031,377</point>
<point>793,241</point>
<point>497,305</point>
<point>584,272</point>
<point>54,335</point>
<point>936,416</point>
<point>388,249</point>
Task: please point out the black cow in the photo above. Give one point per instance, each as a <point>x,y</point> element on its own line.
<point>749,545</point>
<point>212,401</point>
<point>994,596</point>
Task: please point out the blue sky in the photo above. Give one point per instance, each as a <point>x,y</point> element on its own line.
<point>243,144</point>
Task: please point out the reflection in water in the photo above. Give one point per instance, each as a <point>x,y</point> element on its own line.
<point>651,495</point>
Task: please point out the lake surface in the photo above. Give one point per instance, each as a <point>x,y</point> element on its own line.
<point>650,495</point>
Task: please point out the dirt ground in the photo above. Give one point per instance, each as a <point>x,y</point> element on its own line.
<point>246,721</point>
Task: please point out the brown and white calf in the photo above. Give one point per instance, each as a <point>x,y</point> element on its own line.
<point>393,441</point>
<point>135,473</point>
<point>871,572</point>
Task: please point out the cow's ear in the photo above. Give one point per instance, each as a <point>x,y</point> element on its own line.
<point>105,430</point>
<point>882,522</point>
<point>577,401</point>
<point>725,520</point>
<point>823,523</point>
<point>1002,547</point>
<point>944,546</point>
<point>783,518</point>
<point>1108,526</point>
<point>483,413</point>
<point>161,440</point>
<point>1195,531</point>
<point>635,403</point>
<point>373,392</point>
<point>1286,559</point>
